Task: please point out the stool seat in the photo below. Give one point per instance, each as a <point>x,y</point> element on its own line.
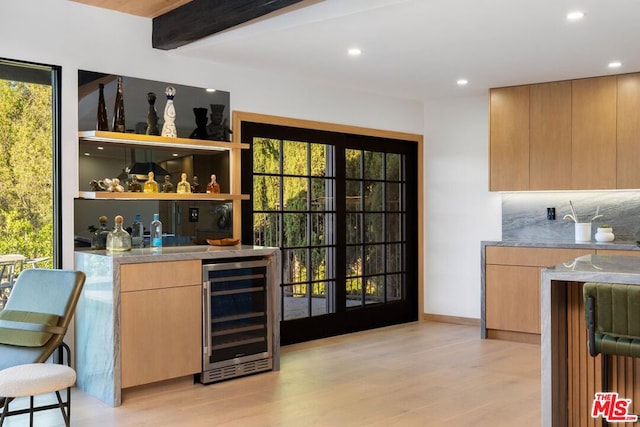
<point>35,378</point>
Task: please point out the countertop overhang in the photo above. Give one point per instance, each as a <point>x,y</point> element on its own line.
<point>565,244</point>
<point>177,253</point>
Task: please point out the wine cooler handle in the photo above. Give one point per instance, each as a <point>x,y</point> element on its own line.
<point>206,299</point>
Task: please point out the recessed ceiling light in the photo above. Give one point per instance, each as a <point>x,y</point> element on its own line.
<point>615,64</point>
<point>101,148</point>
<point>87,154</point>
<point>575,15</point>
<point>354,51</point>
<point>210,90</point>
<point>462,82</point>
<point>175,154</point>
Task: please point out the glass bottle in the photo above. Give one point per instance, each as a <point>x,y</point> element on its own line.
<point>134,185</point>
<point>167,186</point>
<point>213,186</point>
<point>118,240</point>
<point>102,121</point>
<point>156,232</point>
<point>118,110</point>
<point>137,233</point>
<point>183,185</point>
<point>195,185</point>
<point>150,185</point>
<point>99,237</point>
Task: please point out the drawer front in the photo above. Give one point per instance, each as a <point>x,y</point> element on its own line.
<point>534,257</point>
<point>158,275</point>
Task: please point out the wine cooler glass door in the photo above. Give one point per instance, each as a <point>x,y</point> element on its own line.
<point>236,312</point>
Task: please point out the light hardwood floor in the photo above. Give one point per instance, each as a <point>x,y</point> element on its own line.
<point>418,374</point>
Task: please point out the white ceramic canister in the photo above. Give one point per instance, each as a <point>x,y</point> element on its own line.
<point>605,234</point>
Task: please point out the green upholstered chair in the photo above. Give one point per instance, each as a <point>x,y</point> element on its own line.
<point>37,315</point>
<point>612,314</point>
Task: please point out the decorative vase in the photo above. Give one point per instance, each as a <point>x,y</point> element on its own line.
<point>605,234</point>
<point>169,127</point>
<point>152,115</point>
<point>118,109</point>
<point>102,121</point>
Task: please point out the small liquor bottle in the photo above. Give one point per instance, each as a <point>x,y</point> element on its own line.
<point>195,185</point>
<point>137,233</point>
<point>118,240</point>
<point>118,109</point>
<point>213,186</point>
<point>99,237</point>
<point>102,122</point>
<point>183,185</point>
<point>150,186</point>
<point>134,185</point>
<point>167,186</point>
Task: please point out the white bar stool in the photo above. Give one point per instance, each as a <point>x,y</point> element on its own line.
<point>33,379</point>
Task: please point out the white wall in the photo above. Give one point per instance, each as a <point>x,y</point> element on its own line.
<point>459,209</point>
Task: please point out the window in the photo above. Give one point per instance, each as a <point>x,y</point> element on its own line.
<point>338,206</point>
<point>29,178</point>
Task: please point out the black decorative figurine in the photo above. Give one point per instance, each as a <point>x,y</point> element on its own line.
<point>200,132</point>
<point>103,122</point>
<point>152,115</point>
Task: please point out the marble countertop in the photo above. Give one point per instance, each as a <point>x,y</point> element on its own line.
<point>567,244</point>
<point>174,253</point>
<point>596,268</point>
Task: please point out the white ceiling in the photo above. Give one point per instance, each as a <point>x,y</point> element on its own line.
<point>417,49</point>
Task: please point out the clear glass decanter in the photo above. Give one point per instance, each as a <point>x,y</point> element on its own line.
<point>118,240</point>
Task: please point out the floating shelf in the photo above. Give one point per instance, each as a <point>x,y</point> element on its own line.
<point>128,195</point>
<point>154,141</point>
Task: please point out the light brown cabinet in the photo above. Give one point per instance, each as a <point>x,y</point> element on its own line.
<point>628,131</point>
<point>509,138</point>
<point>160,321</point>
<point>550,136</point>
<point>512,289</point>
<point>570,135</point>
<point>593,133</point>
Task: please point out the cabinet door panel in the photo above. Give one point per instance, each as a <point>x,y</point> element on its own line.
<point>593,128</point>
<point>513,298</point>
<point>550,136</point>
<point>161,334</point>
<point>628,149</point>
<point>509,138</point>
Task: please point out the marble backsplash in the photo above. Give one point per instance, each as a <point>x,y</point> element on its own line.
<point>524,215</point>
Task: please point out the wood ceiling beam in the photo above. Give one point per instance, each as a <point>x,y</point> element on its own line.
<point>201,18</point>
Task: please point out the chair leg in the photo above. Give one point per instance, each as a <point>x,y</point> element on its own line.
<point>4,411</point>
<point>65,414</point>
<point>605,379</point>
<point>30,411</point>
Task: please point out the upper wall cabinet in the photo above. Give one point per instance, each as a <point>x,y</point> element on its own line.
<point>580,135</point>
<point>509,138</point>
<point>628,130</point>
<point>593,130</point>
<point>550,136</point>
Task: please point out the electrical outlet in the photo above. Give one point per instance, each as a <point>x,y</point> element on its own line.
<point>193,214</point>
<point>551,213</point>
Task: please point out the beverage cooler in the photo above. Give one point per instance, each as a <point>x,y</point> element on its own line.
<point>237,324</point>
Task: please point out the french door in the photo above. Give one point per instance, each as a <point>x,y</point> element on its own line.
<point>343,210</point>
